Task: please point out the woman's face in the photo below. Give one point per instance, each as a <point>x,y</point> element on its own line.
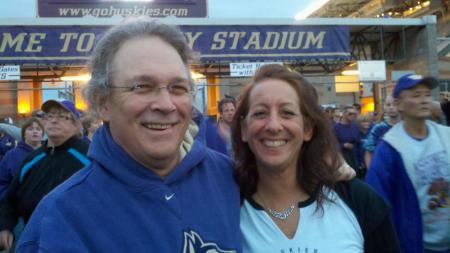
<point>33,133</point>
<point>274,127</point>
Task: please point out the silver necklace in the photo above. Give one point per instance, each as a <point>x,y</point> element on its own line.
<point>281,215</point>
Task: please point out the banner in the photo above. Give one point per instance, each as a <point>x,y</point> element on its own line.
<point>109,8</point>
<point>74,44</point>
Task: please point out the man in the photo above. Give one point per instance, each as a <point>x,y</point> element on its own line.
<point>347,133</point>
<point>152,186</point>
<point>227,108</point>
<point>411,170</point>
<point>391,117</point>
<point>44,168</point>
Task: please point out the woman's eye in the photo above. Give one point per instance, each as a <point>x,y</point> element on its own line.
<point>288,113</point>
<point>258,114</point>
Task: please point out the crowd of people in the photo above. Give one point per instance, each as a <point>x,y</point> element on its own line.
<point>146,171</point>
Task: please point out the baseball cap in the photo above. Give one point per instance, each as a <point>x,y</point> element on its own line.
<point>408,81</point>
<point>65,104</point>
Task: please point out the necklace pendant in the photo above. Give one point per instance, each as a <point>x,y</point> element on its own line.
<point>282,215</point>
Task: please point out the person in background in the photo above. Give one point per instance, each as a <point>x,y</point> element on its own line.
<point>411,170</point>
<point>437,115</point>
<point>44,168</point>
<point>392,117</point>
<point>7,142</point>
<point>211,134</point>
<point>31,132</point>
<point>365,124</point>
<point>287,160</point>
<point>226,107</point>
<point>357,108</point>
<point>329,111</point>
<point>347,133</point>
<point>337,115</point>
<point>153,185</point>
<point>90,123</point>
<point>445,105</point>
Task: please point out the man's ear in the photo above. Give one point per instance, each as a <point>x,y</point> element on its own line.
<point>104,111</point>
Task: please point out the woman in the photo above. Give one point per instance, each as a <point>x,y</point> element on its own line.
<point>287,160</point>
<point>32,132</point>
<point>90,123</point>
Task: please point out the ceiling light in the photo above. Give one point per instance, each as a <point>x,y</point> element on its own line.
<point>196,75</point>
<point>350,73</point>
<point>76,78</point>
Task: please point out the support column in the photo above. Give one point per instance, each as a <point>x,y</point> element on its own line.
<point>213,95</point>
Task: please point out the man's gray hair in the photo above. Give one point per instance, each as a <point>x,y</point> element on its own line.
<point>98,89</point>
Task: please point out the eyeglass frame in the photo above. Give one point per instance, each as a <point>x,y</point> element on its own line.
<point>153,88</point>
<point>59,116</point>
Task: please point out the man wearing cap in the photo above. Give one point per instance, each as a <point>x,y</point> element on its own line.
<point>411,169</point>
<point>62,155</point>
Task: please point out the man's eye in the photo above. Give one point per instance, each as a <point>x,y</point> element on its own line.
<point>178,89</point>
<point>142,88</point>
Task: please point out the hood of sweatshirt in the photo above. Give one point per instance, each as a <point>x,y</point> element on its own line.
<point>105,151</point>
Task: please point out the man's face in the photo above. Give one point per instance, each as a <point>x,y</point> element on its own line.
<point>415,103</point>
<point>389,107</point>
<point>350,114</point>
<point>228,112</point>
<point>59,124</point>
<point>150,126</point>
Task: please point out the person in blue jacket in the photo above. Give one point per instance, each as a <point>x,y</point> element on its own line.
<point>411,170</point>
<point>7,142</point>
<point>152,185</point>
<point>31,132</point>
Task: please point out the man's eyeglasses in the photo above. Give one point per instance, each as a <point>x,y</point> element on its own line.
<point>59,116</point>
<point>152,90</point>
<point>40,115</point>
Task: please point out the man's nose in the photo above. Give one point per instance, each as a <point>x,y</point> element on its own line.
<point>163,101</point>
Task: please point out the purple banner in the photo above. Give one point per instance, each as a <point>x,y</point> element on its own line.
<point>109,8</point>
<point>74,44</point>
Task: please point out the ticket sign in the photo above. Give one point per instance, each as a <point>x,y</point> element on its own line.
<point>11,72</point>
<point>247,68</point>
<point>372,70</point>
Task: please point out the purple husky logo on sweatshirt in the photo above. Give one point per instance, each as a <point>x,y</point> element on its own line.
<point>193,243</point>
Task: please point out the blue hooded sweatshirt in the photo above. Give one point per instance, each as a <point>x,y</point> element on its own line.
<point>117,205</point>
<point>11,163</point>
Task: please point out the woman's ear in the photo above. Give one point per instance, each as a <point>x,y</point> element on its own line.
<point>244,136</point>
<point>308,132</point>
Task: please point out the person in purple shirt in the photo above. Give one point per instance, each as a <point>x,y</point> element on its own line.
<point>32,132</point>
<point>347,133</point>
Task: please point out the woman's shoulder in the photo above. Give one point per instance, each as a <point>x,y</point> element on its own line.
<point>367,205</point>
<point>357,191</point>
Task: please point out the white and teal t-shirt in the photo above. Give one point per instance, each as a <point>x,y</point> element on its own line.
<point>334,230</point>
